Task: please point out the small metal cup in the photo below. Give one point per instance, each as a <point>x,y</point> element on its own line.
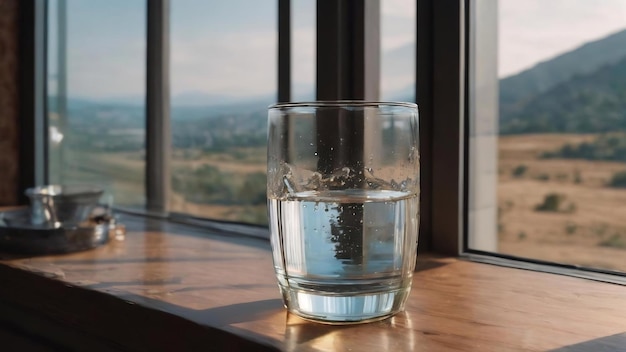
<point>58,205</point>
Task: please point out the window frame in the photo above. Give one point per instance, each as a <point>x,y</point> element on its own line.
<point>158,125</point>
<point>441,79</point>
<point>468,32</point>
<point>32,95</point>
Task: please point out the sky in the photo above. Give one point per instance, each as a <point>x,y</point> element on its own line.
<point>531,31</point>
<point>228,48</point>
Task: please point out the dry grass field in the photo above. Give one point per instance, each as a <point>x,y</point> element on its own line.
<point>234,161</point>
<point>121,173</point>
<point>589,226</point>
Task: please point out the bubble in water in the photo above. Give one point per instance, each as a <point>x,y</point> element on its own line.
<point>412,155</point>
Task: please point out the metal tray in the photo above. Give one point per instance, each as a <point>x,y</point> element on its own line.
<point>18,235</point>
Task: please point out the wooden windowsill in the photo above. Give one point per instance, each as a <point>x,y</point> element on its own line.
<point>175,287</point>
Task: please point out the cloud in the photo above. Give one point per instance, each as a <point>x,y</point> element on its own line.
<point>238,64</point>
<point>303,63</point>
<point>398,8</point>
<point>214,52</point>
<point>535,30</point>
<point>107,70</point>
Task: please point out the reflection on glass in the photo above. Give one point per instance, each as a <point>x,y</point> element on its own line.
<point>397,44</point>
<point>561,151</point>
<point>96,88</point>
<point>223,74</point>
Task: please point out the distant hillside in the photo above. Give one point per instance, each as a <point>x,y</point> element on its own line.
<point>592,102</point>
<point>610,146</point>
<point>517,92</point>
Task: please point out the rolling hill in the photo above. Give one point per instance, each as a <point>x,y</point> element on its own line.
<point>581,91</point>
<point>587,103</point>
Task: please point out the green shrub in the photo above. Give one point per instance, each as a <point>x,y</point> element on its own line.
<point>253,189</point>
<point>551,202</point>
<point>618,180</point>
<point>577,177</point>
<point>520,170</point>
<point>599,229</point>
<point>571,208</point>
<point>605,147</point>
<point>570,228</point>
<point>615,241</point>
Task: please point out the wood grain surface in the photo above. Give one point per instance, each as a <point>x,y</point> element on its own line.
<point>175,287</point>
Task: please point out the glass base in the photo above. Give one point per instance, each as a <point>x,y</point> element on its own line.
<point>334,309</point>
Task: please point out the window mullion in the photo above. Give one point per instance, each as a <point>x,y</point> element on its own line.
<point>448,199</point>
<point>284,50</point>
<point>424,91</point>
<point>32,95</point>
<point>348,50</point>
<point>158,139</point>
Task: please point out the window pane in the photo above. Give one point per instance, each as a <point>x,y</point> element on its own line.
<point>96,89</point>
<point>303,50</point>
<point>397,41</point>
<point>223,75</point>
<point>548,130</point>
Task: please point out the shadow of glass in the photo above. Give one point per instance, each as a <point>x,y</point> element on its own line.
<point>611,343</point>
<point>217,316</point>
<point>429,264</point>
<point>244,312</point>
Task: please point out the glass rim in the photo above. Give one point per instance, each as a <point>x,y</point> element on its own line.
<point>341,103</point>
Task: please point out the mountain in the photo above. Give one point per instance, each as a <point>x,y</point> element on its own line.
<point>197,99</point>
<point>516,92</point>
<point>586,103</point>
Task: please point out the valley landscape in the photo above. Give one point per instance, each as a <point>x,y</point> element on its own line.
<point>561,157</point>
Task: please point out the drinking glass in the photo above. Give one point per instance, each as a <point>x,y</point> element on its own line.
<point>343,199</point>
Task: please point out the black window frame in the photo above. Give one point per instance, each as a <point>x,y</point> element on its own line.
<point>467,37</point>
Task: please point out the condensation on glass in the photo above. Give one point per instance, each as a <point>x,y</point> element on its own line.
<point>343,192</point>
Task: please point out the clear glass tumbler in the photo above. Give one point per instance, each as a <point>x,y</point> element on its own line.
<point>343,198</point>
